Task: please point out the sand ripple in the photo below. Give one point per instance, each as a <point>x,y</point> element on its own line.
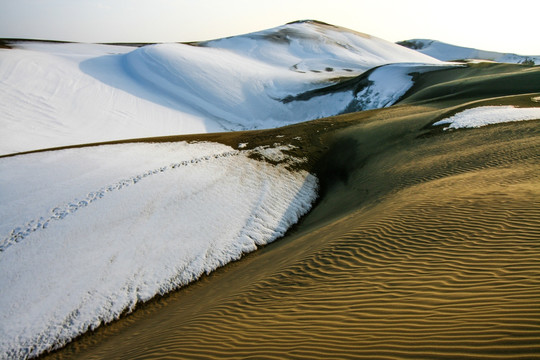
<point>442,262</point>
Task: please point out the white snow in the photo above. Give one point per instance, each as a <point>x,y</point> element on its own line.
<point>276,153</point>
<point>387,85</point>
<point>487,115</point>
<point>87,233</point>
<point>313,47</point>
<point>448,52</point>
<point>63,94</point>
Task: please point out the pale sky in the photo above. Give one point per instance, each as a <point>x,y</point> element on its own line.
<point>505,26</point>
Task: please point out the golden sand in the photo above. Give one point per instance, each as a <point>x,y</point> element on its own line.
<point>434,256</point>
<point>425,244</point>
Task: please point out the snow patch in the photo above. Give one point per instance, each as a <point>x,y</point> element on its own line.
<point>487,115</point>
<point>276,153</point>
<point>124,223</point>
<point>387,84</point>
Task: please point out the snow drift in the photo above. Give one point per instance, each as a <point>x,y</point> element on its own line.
<point>88,233</point>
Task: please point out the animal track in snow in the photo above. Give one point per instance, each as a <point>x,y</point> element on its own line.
<point>61,211</point>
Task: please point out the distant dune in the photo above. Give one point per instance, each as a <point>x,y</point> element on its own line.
<point>421,244</point>
<point>448,52</point>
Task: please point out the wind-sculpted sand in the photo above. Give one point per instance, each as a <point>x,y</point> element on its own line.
<point>424,244</point>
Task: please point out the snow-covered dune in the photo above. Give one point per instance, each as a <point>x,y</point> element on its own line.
<point>87,233</point>
<point>236,92</point>
<point>62,94</point>
<point>448,52</point>
<point>313,46</point>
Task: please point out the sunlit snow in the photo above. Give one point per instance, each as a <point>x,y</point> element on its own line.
<point>54,94</point>
<point>487,115</point>
<point>87,233</point>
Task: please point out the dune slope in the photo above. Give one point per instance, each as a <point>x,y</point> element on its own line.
<point>423,245</point>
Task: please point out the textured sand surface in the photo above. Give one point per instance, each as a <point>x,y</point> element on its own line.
<point>425,244</point>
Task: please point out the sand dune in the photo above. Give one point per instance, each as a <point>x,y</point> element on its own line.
<point>423,242</point>
<point>57,94</point>
<point>423,245</point>
<point>450,272</point>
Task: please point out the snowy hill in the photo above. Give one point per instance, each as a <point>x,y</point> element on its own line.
<point>313,46</point>
<point>447,52</point>
<point>56,94</point>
